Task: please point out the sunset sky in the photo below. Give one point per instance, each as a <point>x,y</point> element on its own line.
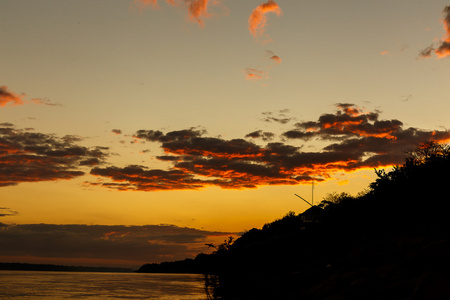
<point>136,131</point>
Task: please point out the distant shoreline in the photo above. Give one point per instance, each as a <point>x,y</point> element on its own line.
<point>60,268</point>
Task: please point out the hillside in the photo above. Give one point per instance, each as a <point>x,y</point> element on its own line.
<point>390,242</point>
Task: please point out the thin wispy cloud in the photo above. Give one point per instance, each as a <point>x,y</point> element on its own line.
<point>442,48</point>
<point>278,117</point>
<point>41,101</point>
<point>257,21</point>
<point>255,74</point>
<point>7,212</point>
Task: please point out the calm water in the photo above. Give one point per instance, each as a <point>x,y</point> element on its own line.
<point>68,285</point>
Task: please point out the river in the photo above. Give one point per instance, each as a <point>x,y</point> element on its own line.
<point>89,285</point>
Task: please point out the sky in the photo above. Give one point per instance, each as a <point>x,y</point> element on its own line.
<point>136,131</point>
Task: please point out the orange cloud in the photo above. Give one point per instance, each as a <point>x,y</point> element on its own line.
<point>141,4</point>
<point>443,48</point>
<point>257,21</point>
<point>273,57</point>
<point>276,59</point>
<point>255,74</point>
<point>349,120</point>
<point>197,9</point>
<point>8,97</point>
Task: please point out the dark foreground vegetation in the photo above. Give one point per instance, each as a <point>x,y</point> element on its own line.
<point>389,242</point>
<point>58,268</point>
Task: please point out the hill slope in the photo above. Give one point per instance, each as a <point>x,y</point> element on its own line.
<point>391,242</point>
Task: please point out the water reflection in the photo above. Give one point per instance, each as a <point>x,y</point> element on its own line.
<point>66,285</point>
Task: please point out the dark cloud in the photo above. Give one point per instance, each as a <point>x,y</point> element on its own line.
<point>277,117</point>
<point>259,134</point>
<point>349,120</point>
<point>116,131</point>
<point>147,243</point>
<point>177,135</point>
<point>356,139</point>
<point>426,53</point>
<point>31,156</point>
<point>7,212</point>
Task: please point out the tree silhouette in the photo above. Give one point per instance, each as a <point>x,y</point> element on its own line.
<point>388,242</point>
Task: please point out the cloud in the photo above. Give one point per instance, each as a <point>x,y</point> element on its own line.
<point>406,98</point>
<point>273,57</point>
<point>279,118</point>
<point>255,74</point>
<point>353,138</point>
<point>8,97</point>
<point>147,243</point>
<point>442,49</point>
<point>349,120</point>
<point>30,156</point>
<point>44,102</point>
<point>426,53</point>
<point>259,134</point>
<point>276,59</point>
<point>141,4</point>
<point>116,131</point>
<point>197,9</point>
<point>7,212</point>
<point>257,21</point>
